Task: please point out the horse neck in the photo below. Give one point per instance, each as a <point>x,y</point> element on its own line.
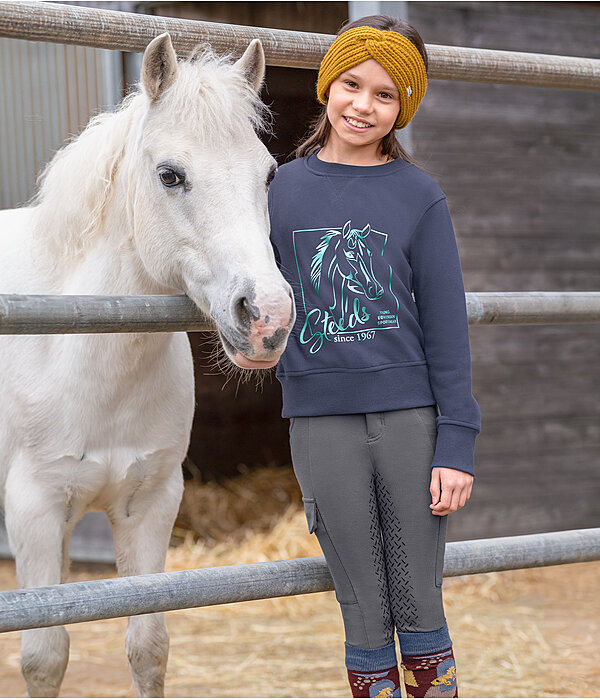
<point>82,242</point>
<point>107,263</point>
<point>112,265</point>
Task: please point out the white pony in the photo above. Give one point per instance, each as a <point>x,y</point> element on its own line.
<point>167,194</point>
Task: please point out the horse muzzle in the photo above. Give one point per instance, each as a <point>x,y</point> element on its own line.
<point>255,333</point>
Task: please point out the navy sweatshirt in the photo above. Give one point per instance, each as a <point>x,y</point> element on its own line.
<point>371,255</point>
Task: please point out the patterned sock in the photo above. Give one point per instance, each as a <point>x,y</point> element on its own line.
<point>430,675</point>
<point>375,684</point>
<point>373,673</point>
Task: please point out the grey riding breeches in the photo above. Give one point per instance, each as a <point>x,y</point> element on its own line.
<point>365,482</point>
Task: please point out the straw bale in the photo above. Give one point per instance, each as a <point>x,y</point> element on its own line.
<point>213,511</point>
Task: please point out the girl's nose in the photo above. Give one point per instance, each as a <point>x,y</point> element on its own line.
<point>362,103</point>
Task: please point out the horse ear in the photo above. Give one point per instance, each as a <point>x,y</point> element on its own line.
<point>366,231</point>
<point>252,64</point>
<point>346,229</point>
<point>159,66</point>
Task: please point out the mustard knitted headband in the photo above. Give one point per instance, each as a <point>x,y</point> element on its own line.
<point>397,54</point>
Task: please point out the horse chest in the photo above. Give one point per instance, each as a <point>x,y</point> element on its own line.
<point>102,402</point>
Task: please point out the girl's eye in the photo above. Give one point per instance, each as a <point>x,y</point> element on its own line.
<point>385,94</point>
<point>170,178</point>
<point>351,83</point>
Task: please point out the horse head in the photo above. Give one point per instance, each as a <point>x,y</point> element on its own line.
<point>354,261</point>
<point>197,192</point>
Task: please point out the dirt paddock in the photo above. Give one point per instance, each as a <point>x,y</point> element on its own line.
<point>528,633</point>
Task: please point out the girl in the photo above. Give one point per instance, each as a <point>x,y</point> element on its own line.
<point>357,227</point>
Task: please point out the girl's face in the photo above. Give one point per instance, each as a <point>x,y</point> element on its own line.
<point>363,105</point>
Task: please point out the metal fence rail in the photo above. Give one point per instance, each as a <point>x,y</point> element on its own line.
<point>41,314</point>
<point>136,595</point>
<point>125,31</point>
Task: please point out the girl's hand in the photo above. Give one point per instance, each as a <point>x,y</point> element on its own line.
<point>450,490</point>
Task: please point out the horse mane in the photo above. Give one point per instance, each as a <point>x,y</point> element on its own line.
<point>316,264</point>
<point>74,187</point>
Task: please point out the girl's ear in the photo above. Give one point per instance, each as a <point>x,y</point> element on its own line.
<point>252,64</point>
<point>159,66</point>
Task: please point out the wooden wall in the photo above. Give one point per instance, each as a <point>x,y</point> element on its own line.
<point>521,169</point>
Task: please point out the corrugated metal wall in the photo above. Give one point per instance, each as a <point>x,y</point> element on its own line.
<point>48,92</point>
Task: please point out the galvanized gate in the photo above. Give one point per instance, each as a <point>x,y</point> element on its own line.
<point>77,602</point>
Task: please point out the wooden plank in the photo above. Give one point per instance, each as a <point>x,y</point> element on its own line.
<point>520,495</point>
<point>520,168</point>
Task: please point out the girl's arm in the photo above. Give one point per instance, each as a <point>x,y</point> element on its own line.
<point>440,297</point>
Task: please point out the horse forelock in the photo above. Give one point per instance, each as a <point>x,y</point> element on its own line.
<point>211,95</point>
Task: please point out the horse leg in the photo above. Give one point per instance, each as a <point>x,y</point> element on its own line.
<point>35,525</point>
<point>142,530</point>
<point>66,557</point>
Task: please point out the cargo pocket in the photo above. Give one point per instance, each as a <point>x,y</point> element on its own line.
<point>440,550</point>
<point>344,591</point>
<point>310,509</point>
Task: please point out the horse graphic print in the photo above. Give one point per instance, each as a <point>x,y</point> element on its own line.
<point>346,284</point>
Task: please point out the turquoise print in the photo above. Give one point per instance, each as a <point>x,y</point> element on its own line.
<point>346,284</point>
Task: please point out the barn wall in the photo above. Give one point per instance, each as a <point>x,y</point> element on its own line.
<point>520,168</point>
<point>48,92</point>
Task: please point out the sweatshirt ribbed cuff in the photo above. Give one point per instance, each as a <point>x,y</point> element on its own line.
<point>455,447</point>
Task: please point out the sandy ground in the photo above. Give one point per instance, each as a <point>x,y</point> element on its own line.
<point>528,633</point>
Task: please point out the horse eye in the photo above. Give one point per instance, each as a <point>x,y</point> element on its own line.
<point>271,175</point>
<point>170,178</point>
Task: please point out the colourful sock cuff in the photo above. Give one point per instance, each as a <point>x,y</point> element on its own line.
<point>375,684</point>
<point>414,643</point>
<point>430,675</point>
<point>358,659</point>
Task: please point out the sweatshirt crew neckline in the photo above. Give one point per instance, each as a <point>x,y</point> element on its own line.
<point>321,167</point>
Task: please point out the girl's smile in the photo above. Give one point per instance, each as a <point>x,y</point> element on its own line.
<point>357,124</point>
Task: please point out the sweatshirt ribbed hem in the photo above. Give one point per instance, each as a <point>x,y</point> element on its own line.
<point>372,390</point>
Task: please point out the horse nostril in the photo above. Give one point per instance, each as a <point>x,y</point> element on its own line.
<point>245,312</point>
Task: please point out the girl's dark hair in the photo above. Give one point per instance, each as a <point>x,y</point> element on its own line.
<point>320,128</point>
